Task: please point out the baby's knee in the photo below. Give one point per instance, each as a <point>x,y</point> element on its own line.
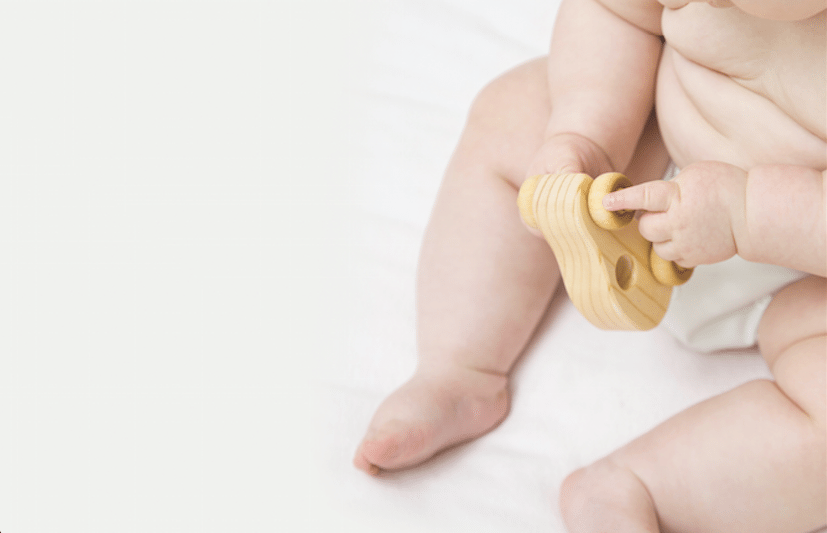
<point>792,337</point>
<point>601,491</point>
<point>506,124</point>
<point>575,492</point>
<point>799,311</point>
<point>511,99</point>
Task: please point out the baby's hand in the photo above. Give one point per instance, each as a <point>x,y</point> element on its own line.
<point>566,153</point>
<point>692,220</point>
<point>569,153</point>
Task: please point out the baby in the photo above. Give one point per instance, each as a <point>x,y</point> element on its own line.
<point>740,92</point>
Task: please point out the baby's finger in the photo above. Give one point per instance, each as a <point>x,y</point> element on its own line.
<point>650,196</point>
<point>666,250</point>
<point>655,227</point>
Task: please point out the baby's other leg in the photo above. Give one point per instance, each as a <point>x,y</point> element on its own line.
<point>752,459</point>
<point>484,282</point>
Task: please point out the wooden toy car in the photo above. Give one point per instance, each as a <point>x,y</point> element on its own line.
<point>610,271</point>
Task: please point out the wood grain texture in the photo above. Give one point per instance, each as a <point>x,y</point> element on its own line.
<point>606,272</point>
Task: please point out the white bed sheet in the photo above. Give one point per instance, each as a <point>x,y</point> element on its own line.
<point>578,392</point>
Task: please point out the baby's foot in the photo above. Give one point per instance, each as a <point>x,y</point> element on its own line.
<point>429,413</point>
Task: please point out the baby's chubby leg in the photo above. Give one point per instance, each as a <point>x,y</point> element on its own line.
<point>483,283</point>
<point>484,280</point>
<point>752,459</point>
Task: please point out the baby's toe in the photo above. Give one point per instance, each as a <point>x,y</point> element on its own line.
<point>364,465</point>
<point>396,445</point>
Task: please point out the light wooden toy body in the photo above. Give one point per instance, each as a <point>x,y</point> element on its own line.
<point>610,271</point>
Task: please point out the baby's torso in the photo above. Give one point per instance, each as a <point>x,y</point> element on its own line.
<point>735,88</point>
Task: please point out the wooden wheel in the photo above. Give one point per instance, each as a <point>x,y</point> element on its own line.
<point>603,185</point>
<point>666,272</point>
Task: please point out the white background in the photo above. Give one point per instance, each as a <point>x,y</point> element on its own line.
<point>172,177</point>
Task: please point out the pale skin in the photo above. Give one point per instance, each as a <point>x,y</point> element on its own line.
<point>739,88</point>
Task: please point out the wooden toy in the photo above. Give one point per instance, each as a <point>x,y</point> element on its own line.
<point>610,271</point>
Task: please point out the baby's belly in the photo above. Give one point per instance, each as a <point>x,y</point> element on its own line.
<point>705,115</point>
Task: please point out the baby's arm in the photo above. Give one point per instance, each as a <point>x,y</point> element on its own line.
<point>711,211</point>
<point>784,218</point>
<point>602,65</point>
